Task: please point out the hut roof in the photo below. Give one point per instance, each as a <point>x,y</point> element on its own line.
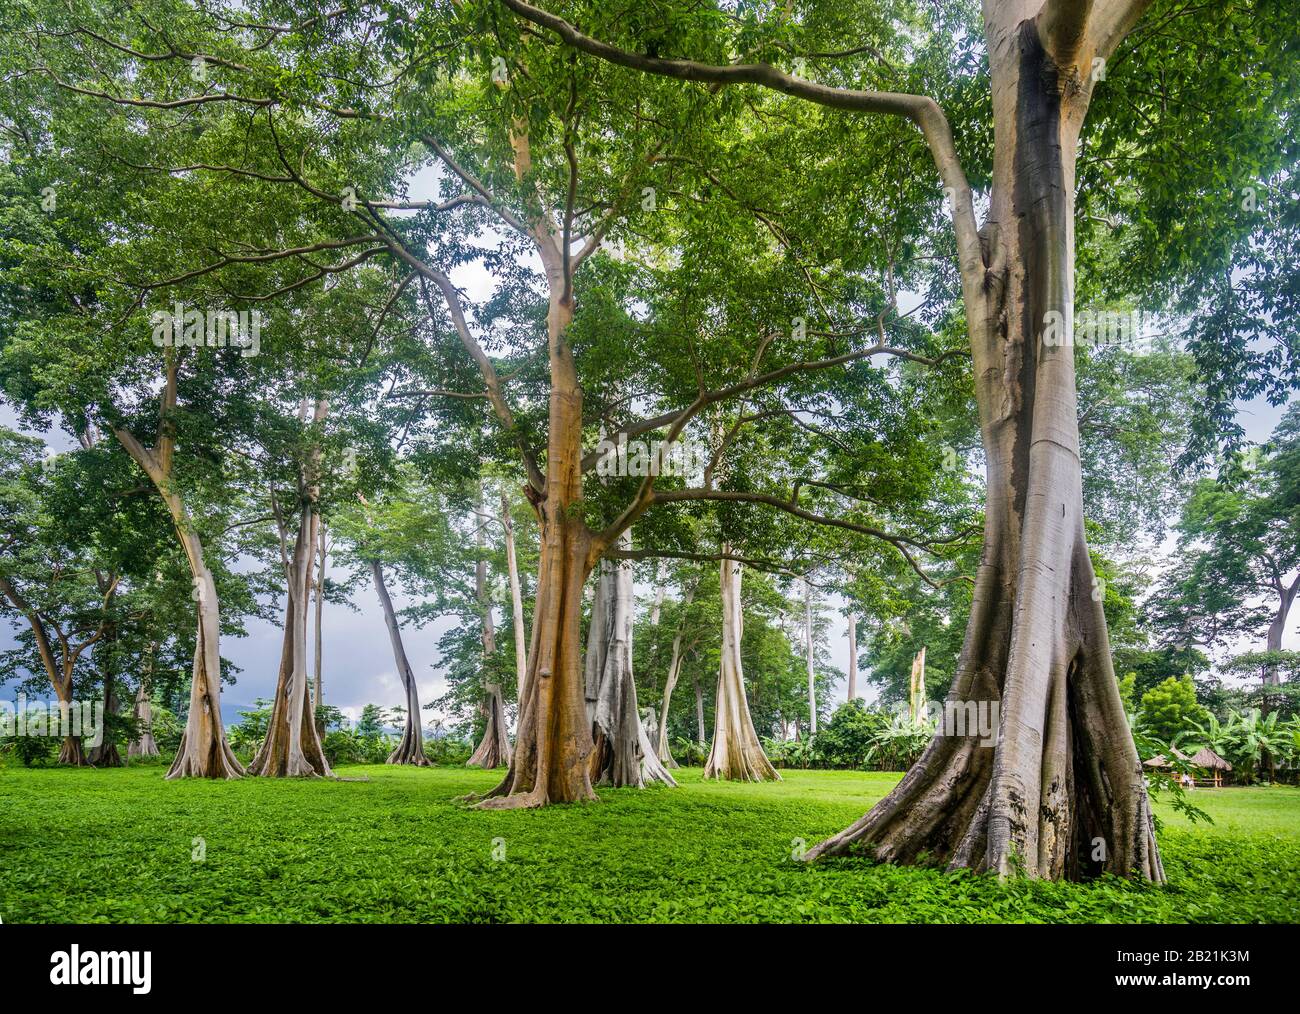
<point>1203,758</point>
<point>1207,758</point>
<point>1161,761</point>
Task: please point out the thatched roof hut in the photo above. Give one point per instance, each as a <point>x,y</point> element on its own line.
<point>1161,761</point>
<point>1205,759</point>
<point>1208,759</point>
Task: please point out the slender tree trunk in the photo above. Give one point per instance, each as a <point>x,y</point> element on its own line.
<point>203,751</point>
<point>144,745</point>
<point>737,755</point>
<point>699,708</point>
<point>411,748</point>
<point>318,689</point>
<point>853,657</point>
<point>808,652</point>
<point>516,601</point>
<point>674,673</point>
<point>1286,596</point>
<point>660,591</point>
<point>106,754</point>
<point>494,748</point>
<point>622,754</point>
<point>917,694</point>
<point>1059,792</point>
<point>292,748</point>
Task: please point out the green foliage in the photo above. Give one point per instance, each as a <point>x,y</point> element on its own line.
<point>689,751</point>
<point>846,741</point>
<point>372,721</point>
<point>31,751</point>
<point>398,848</point>
<point>1256,743</point>
<point>788,753</point>
<point>167,729</point>
<point>349,746</point>
<point>900,743</point>
<point>449,751</point>
<point>247,735</point>
<point>1170,710</point>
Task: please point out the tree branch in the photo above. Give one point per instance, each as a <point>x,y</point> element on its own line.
<point>920,109</point>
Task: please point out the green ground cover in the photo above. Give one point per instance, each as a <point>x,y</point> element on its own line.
<point>121,846</point>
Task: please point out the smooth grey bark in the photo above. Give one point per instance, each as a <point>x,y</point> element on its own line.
<point>410,749</point>
<point>493,749</point>
<point>670,684</point>
<point>853,657</point>
<point>203,751</point>
<point>144,744</point>
<point>623,754</point>
<point>1286,595</point>
<point>808,654</point>
<point>318,686</point>
<point>516,601</point>
<point>699,708</point>
<point>1060,793</point>
<point>292,747</point>
<point>736,754</point>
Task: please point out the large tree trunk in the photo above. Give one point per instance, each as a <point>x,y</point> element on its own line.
<point>622,754</point>
<point>292,748</point>
<point>737,754</point>
<point>674,674</point>
<point>1060,792</point>
<point>411,748</point>
<point>71,751</point>
<point>853,657</point>
<point>494,748</point>
<point>105,754</point>
<point>550,763</point>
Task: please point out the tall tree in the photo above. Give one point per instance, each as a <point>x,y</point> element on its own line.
<point>1036,642</point>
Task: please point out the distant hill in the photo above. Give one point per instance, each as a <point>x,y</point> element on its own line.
<point>232,713</point>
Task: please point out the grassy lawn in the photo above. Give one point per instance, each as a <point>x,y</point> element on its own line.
<point>116,846</point>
